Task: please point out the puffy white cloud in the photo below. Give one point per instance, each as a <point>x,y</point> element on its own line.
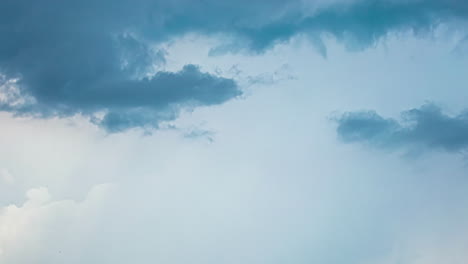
<point>43,230</point>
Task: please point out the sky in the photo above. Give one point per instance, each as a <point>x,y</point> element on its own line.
<point>254,132</point>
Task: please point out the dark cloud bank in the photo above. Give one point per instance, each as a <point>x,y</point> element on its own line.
<point>424,128</point>
<point>92,56</point>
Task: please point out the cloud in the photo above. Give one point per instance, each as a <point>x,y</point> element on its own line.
<point>126,103</point>
<point>424,128</point>
<point>64,223</point>
<point>222,218</point>
<point>358,24</point>
<point>197,133</point>
<point>84,58</point>
<point>61,58</point>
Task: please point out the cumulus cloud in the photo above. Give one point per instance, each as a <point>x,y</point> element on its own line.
<point>50,230</point>
<point>424,128</point>
<point>61,58</point>
<point>179,218</point>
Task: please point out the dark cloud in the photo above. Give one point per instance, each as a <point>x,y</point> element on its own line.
<point>95,58</point>
<point>88,57</point>
<point>424,128</point>
<point>127,103</point>
<point>358,24</point>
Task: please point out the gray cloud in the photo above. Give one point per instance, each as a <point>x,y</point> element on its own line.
<point>424,128</point>
<point>86,57</point>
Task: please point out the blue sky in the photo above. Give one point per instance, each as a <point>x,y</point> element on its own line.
<point>233,132</point>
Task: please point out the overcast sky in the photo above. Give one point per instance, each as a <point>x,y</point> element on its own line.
<point>212,132</point>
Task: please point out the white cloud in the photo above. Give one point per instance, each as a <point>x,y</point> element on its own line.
<point>38,230</point>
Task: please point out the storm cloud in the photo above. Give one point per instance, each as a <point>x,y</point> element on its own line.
<point>424,128</point>
<point>61,58</point>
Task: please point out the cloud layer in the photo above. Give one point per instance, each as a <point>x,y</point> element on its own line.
<point>66,57</point>
<point>424,128</point>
